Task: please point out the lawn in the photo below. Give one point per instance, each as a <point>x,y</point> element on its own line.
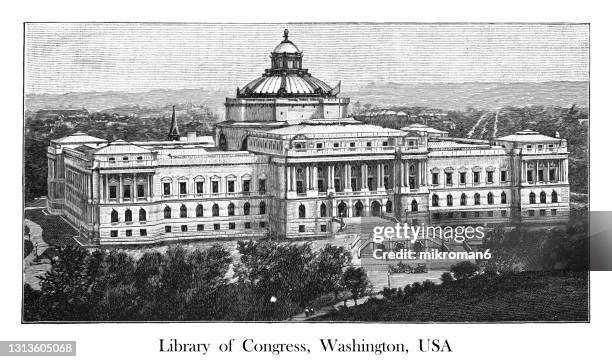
<point>527,296</point>
<point>56,231</point>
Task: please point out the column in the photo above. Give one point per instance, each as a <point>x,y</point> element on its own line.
<point>402,174</point>
<point>379,177</point>
<point>95,179</point>
<point>330,177</point>
<point>536,171</point>
<point>120,188</point>
<point>347,177</point>
<point>134,195</point>
<point>315,178</point>
<point>308,183</point>
<point>106,197</point>
<point>546,177</point>
<point>150,187</point>
<point>293,179</point>
<point>364,176</point>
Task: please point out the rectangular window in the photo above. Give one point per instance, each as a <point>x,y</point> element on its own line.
<point>262,224</point>
<point>352,144</point>
<point>462,177</point>
<point>112,192</point>
<point>476,213</point>
<point>540,175</point>
<point>247,225</point>
<point>183,228</point>
<point>114,233</point>
<point>553,212</point>
<point>246,185</point>
<point>504,176</point>
<point>200,227</point>
<point>530,176</point>
<point>434,178</point>
<point>368,144</point>
<point>476,177</point>
<point>143,232</point>
<point>232,225</point>
<point>436,215</point>
<point>262,186</point>
<point>449,178</point>
<point>217,226</point>
<point>168,228</point>
<point>552,175</point>
<point>463,214</point>
<point>166,188</point>
<point>449,215</point>
<point>302,228</point>
<point>490,177</point>
<point>542,212</point>
<point>199,187</point>
<point>127,191</point>
<point>128,232</point>
<point>319,145</point>
<point>531,212</point>
<point>323,228</point>
<point>140,191</point>
<point>183,188</point>
<point>490,213</point>
<point>230,186</point>
<point>215,187</point>
<point>504,213</point>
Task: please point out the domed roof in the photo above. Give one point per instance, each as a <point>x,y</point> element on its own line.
<point>293,84</point>
<point>286,77</point>
<point>286,46</point>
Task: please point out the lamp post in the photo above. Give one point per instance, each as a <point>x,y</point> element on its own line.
<point>389,279</point>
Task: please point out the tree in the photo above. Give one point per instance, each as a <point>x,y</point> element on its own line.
<point>328,266</point>
<point>446,277</point>
<point>464,270</point>
<point>355,280</point>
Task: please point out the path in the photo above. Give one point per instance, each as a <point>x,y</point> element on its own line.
<point>471,132</point>
<point>32,267</point>
<point>495,124</point>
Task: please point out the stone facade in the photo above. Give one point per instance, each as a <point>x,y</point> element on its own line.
<point>287,162</point>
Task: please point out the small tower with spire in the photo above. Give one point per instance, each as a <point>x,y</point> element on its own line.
<point>174,134</point>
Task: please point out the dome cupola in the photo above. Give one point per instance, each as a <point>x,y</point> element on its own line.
<point>286,77</point>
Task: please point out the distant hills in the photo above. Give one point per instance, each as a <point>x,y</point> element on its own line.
<point>457,96</point>
<point>448,96</point>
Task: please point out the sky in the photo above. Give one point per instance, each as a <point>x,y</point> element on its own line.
<point>78,57</point>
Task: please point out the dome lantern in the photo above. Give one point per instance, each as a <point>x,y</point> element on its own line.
<point>285,77</point>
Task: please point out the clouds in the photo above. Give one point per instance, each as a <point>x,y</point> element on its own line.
<point>134,57</point>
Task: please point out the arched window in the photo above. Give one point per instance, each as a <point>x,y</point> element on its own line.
<point>215,210</point>
<point>230,209</point>
<point>463,200</point>
<point>247,208</point>
<point>414,206</point>
<point>142,215</point>
<point>434,200</point>
<point>167,212</point>
<point>476,199</point>
<point>553,197</point>
<point>389,206</point>
<point>532,198</point>
<point>323,210</point>
<point>490,198</point>
<point>262,208</point>
<point>302,211</point>
<point>183,211</point>
<point>114,216</point>
<point>199,211</point>
<point>449,200</point>
<point>128,215</point>
<point>503,198</point>
<point>542,197</point>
